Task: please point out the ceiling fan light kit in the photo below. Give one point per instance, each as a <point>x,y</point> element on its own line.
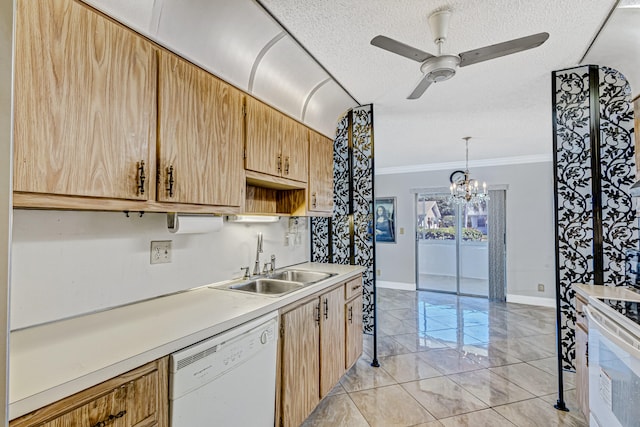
<point>441,67</point>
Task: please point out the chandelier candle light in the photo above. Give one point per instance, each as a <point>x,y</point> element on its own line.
<point>465,190</point>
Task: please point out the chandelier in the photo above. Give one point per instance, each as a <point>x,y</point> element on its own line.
<point>465,190</point>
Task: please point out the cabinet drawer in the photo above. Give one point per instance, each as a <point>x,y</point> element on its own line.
<point>129,405</point>
<point>136,401</point>
<point>353,288</point>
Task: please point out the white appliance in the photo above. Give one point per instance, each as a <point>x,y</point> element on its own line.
<point>614,362</point>
<point>227,380</point>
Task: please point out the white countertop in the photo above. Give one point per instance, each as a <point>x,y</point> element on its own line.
<point>55,360</point>
<point>613,292</point>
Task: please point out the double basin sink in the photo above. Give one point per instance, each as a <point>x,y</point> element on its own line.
<point>280,282</point>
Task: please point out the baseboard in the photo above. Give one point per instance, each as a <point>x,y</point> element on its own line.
<point>396,285</point>
<point>526,299</point>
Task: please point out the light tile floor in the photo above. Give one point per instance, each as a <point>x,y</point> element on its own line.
<point>450,361</point>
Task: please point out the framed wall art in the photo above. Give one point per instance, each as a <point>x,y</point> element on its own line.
<point>385,220</point>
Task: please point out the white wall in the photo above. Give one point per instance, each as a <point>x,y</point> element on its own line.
<point>530,224</point>
<point>65,263</point>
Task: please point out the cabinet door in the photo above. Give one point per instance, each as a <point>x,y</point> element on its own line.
<point>264,135</point>
<point>295,151</point>
<point>300,363</point>
<point>200,136</point>
<point>582,369</point>
<point>353,338</point>
<point>332,343</point>
<point>85,92</point>
<point>136,398</point>
<point>320,173</point>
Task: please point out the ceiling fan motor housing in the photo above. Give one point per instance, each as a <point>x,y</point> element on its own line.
<point>440,68</point>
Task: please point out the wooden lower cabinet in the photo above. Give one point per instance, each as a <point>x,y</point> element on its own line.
<point>318,343</point>
<point>300,330</point>
<point>582,354</point>
<point>137,398</point>
<point>332,339</point>
<point>353,333</point>
<point>582,368</point>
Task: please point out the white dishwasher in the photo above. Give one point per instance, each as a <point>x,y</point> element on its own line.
<point>227,380</point>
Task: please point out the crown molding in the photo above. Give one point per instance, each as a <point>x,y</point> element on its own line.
<point>503,161</point>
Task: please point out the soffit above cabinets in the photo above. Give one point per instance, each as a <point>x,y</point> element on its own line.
<point>286,76</point>
<point>618,44</point>
<point>242,44</point>
<point>328,99</point>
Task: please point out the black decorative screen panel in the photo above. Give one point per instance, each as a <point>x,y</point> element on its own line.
<point>574,213</point>
<point>362,197</point>
<point>617,174</point>
<point>346,237</point>
<point>594,167</point>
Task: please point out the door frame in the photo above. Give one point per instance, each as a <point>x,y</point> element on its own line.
<point>445,190</point>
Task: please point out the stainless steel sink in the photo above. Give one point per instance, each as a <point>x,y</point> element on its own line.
<point>302,276</point>
<point>270,287</point>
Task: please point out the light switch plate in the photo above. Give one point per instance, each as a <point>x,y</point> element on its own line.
<point>160,251</point>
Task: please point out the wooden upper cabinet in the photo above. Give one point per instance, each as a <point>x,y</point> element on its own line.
<point>320,193</point>
<point>85,93</point>
<point>264,133</point>
<point>200,136</point>
<point>295,151</point>
<point>275,144</point>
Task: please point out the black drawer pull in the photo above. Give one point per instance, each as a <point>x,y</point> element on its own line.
<point>110,419</point>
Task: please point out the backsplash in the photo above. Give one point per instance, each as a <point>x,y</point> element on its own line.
<point>66,263</point>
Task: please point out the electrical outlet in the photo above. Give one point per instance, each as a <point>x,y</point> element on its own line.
<point>401,230</point>
<point>540,287</point>
<point>377,272</point>
<point>160,251</point>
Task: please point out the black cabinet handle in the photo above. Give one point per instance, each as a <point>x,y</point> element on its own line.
<point>326,308</point>
<point>170,180</point>
<point>141,177</point>
<point>110,419</point>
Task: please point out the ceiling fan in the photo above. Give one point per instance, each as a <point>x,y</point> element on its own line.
<point>441,67</point>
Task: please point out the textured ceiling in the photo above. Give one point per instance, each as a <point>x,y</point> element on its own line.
<point>504,104</point>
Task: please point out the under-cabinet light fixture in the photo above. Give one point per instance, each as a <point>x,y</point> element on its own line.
<point>252,218</point>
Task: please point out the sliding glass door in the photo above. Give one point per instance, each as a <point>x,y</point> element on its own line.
<point>451,246</point>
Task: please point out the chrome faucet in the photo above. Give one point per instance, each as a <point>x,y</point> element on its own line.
<point>273,262</point>
<point>256,267</point>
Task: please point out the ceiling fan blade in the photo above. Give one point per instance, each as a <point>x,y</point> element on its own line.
<point>405,50</point>
<point>419,90</point>
<point>501,49</point>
